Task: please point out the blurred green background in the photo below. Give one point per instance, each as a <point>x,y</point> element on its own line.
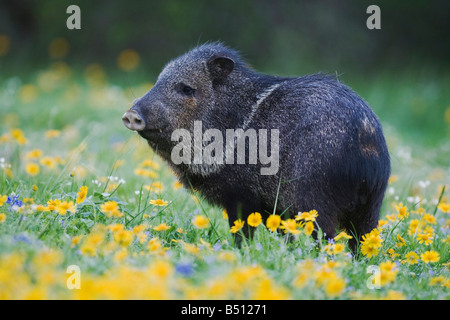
<point>402,70</point>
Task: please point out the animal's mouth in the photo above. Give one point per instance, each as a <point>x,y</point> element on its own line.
<point>150,134</point>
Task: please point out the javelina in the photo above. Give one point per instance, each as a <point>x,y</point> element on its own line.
<point>332,153</point>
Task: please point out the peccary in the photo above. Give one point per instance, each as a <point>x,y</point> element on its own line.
<point>332,153</point>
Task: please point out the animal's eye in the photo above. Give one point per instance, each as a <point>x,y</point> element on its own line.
<point>188,90</point>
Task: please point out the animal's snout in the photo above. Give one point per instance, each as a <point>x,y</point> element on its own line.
<point>133,121</point>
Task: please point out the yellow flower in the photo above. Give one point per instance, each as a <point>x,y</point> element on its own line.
<point>33,154</point>
<point>440,281</point>
<point>158,202</point>
<point>146,173</point>
<point>392,179</point>
<point>161,269</point>
<point>88,249</point>
<point>333,249</point>
<point>309,228</point>
<point>402,211</point>
<point>76,240</point>
<point>177,185</point>
<point>128,60</point>
<point>28,93</point>
<point>420,211</point>
<point>42,208</point>
<point>371,243</point>
<point>32,169</point>
<point>121,255</point>
<point>65,206</point>
<point>329,248</point>
<point>342,235</point>
<point>2,217</point>
<point>412,257</point>
<point>445,240</point>
<point>52,204</point>
<point>116,227</point>
<point>267,290</point>
<point>401,242</point>
<point>162,227</point>
<point>324,274</point>
<point>227,256</point>
<point>307,216</point>
<point>118,164</point>
<point>154,245</point>
<point>156,186</point>
<point>430,256</point>
<point>225,214</point>
<point>414,226</point>
<point>111,209</point>
<point>18,135</point>
<point>123,237</point>
<point>373,238</point>
<point>254,219</point>
<point>28,200</point>
<point>273,222</point>
<point>444,207</point>
<point>139,228</point>
<point>81,195</point>
<point>369,251</point>
<point>390,217</point>
<point>382,223</point>
<point>47,258</point>
<point>425,238</point>
<point>238,225</point>
<point>50,134</point>
<point>334,287</point>
<point>200,222</point>
<point>4,44</point>
<point>289,226</point>
<point>8,172</point>
<point>301,279</point>
<point>141,236</point>
<point>48,162</point>
<point>429,218</point>
<point>58,48</point>
<point>338,247</point>
<point>191,248</point>
<point>388,272</point>
<point>151,164</point>
<point>3,199</point>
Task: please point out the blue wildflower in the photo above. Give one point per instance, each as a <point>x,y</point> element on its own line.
<point>185,268</point>
<point>13,200</point>
<point>217,247</point>
<point>21,238</point>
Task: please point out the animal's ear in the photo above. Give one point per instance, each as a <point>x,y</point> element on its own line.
<point>220,67</point>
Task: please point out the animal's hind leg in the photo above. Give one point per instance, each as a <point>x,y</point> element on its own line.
<point>361,223</point>
<point>241,210</point>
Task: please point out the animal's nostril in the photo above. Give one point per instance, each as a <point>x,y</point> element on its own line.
<point>133,121</point>
<point>126,120</point>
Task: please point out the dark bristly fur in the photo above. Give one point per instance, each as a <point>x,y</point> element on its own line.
<point>333,155</point>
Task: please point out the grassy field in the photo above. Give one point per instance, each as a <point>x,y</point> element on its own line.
<point>85,203</point>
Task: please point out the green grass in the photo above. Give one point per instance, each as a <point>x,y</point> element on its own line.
<point>125,257</point>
